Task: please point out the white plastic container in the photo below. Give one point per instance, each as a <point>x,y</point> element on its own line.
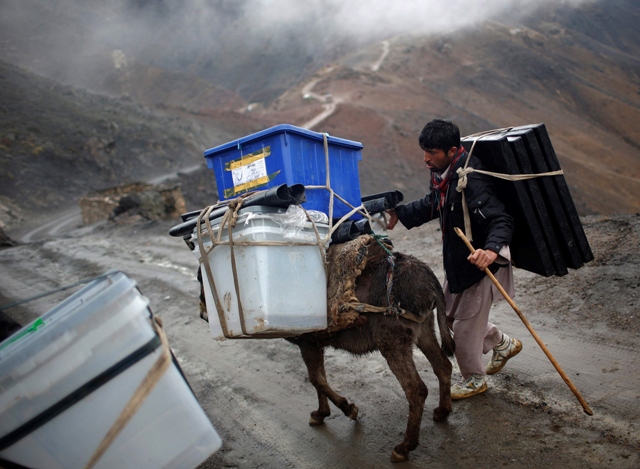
<point>65,378</point>
<point>283,289</point>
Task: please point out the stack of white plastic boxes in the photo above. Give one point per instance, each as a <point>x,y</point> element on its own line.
<point>66,377</point>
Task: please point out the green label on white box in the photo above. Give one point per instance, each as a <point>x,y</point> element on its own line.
<point>37,324</point>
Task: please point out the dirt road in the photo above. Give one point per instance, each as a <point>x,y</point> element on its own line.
<point>258,396</point>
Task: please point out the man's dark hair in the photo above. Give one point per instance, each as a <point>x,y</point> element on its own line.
<point>439,134</point>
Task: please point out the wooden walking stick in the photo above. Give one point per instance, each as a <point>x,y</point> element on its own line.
<point>553,361</point>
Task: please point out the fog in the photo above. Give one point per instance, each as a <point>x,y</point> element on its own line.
<point>366,18</point>
<point>225,40</point>
<point>207,24</point>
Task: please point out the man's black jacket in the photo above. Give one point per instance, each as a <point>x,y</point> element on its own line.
<point>491,225</point>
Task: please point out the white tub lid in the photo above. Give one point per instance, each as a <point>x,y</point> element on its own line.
<point>78,341</point>
<point>265,223</point>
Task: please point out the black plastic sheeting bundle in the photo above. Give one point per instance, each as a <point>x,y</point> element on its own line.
<point>378,203</point>
<point>279,196</point>
<point>548,237</point>
<point>375,203</point>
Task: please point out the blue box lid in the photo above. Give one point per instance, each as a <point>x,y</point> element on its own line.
<point>283,128</point>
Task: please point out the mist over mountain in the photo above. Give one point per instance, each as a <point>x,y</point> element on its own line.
<point>230,67</point>
<point>257,48</point>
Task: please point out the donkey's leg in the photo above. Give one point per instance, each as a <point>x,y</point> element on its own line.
<point>400,360</point>
<point>318,416</point>
<point>441,366</point>
<point>313,357</point>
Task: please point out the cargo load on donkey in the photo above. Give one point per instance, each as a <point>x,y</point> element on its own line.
<point>286,195</point>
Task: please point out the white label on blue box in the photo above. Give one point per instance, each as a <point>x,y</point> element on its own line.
<point>249,172</point>
<point>254,170</point>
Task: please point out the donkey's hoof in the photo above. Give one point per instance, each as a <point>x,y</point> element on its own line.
<point>440,414</point>
<point>316,419</point>
<point>353,415</point>
<point>203,312</point>
<point>397,457</point>
<point>314,423</point>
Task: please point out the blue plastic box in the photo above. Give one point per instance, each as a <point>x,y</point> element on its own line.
<point>286,154</point>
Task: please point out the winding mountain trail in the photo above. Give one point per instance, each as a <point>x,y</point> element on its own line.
<point>330,103</point>
<point>60,224</point>
<point>65,221</point>
<point>385,51</point>
<point>329,109</point>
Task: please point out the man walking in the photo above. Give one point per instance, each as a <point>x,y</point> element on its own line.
<point>468,291</point>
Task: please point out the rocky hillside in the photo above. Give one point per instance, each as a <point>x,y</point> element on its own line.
<point>58,142</point>
<point>176,91</point>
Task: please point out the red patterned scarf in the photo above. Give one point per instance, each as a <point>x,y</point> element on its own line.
<point>440,184</point>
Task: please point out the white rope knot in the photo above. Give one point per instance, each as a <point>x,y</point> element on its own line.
<point>462,178</point>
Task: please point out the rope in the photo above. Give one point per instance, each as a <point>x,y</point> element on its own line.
<point>323,253</point>
<point>391,309</point>
<point>332,196</point>
<point>389,280</point>
<point>465,207</point>
<point>462,182</point>
<point>144,389</point>
<point>325,142</point>
<point>490,132</point>
<point>229,218</point>
<point>391,258</point>
<point>379,237</point>
<point>232,219</point>
<point>204,259</point>
<point>399,312</point>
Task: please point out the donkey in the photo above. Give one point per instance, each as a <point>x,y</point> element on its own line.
<point>416,289</point>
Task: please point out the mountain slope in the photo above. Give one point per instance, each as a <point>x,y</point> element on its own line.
<point>498,75</point>
<point>59,142</point>
<point>576,69</point>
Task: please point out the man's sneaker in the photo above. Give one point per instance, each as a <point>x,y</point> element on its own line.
<point>506,349</point>
<point>475,384</point>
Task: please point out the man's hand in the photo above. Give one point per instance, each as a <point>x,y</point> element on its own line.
<point>393,219</point>
<point>482,258</point>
